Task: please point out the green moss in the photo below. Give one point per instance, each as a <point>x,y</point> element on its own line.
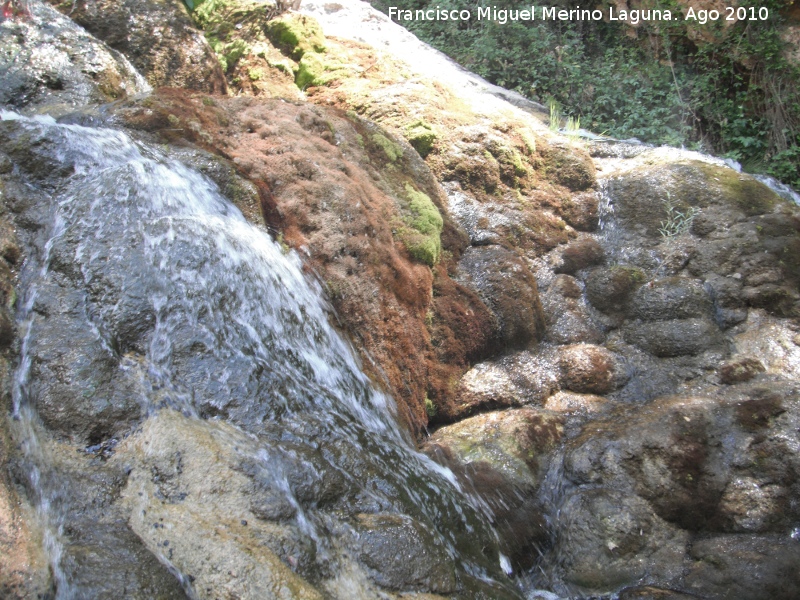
<point>233,27</point>
<point>422,236</point>
<point>228,53</point>
<point>282,65</point>
<point>421,136</point>
<point>390,149</point>
<point>529,141</point>
<point>296,35</point>
<point>513,158</point>
<point>255,74</point>
<point>314,70</point>
<point>633,274</point>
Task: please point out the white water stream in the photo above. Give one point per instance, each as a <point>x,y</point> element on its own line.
<point>205,314</point>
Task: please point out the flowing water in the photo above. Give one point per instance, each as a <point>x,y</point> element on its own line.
<point>145,290</point>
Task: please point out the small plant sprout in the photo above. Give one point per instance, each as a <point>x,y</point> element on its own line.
<point>678,222</point>
<point>573,126</point>
<point>555,115</point>
<point>430,407</point>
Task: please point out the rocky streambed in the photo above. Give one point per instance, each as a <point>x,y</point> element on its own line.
<point>332,318</point>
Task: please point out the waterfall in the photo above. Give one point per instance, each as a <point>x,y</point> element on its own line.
<point>144,290</point>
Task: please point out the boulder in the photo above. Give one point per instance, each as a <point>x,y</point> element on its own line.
<point>676,337</point>
<point>608,289</point>
<point>723,567</point>
<point>157,36</point>
<point>514,380</point>
<point>606,539</point>
<point>581,211</point>
<point>590,369</point>
<point>570,167</point>
<point>580,254</point>
<point>670,298</point>
<point>568,318</point>
<point>670,454</point>
<point>507,287</point>
<point>48,63</point>
<point>501,458</point>
<point>402,554</point>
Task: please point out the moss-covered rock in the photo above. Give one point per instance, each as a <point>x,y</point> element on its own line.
<point>392,150</point>
<point>644,198</point>
<point>241,29</point>
<point>421,136</point>
<point>609,289</point>
<point>296,35</point>
<point>570,167</point>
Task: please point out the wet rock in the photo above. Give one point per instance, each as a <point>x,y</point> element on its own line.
<point>670,298</point>
<point>581,212</point>
<point>752,504</point>
<point>743,566</point>
<point>501,457</point>
<point>743,369</point>
<point>572,403</point>
<point>24,568</point>
<point>514,380</point>
<point>678,337</point>
<point>672,454</point>
<point>649,592</point>
<point>211,499</point>
<point>749,233</point>
<point>568,318</point>
<point>642,198</point>
<point>510,441</point>
<point>566,286</point>
<point>606,539</point>
<point>98,555</point>
<point>157,36</point>
<point>609,289</point>
<point>580,254</point>
<point>569,322</point>
<point>770,339</point>
<point>49,61</point>
<point>7,328</point>
<point>777,299</point>
<point>401,554</point>
<point>98,399</point>
<point>726,293</point>
<point>508,288</point>
<point>200,490</point>
<point>590,369</point>
<point>99,558</point>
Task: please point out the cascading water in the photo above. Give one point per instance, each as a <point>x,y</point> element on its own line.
<point>145,291</point>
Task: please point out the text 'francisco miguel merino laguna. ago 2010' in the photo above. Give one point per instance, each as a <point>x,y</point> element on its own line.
<point>544,13</point>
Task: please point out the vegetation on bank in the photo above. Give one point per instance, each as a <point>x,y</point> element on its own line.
<point>720,87</point>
